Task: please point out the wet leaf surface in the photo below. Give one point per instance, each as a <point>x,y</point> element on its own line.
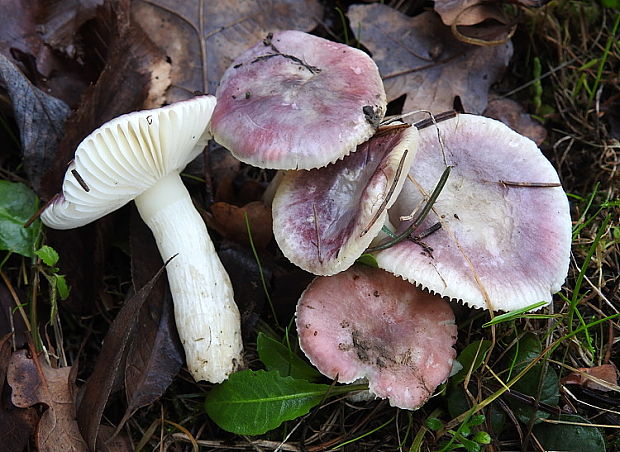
<point>202,37</point>
<point>419,57</point>
<point>34,381</point>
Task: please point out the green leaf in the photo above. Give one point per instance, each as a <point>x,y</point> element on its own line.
<point>471,357</point>
<point>529,348</point>
<point>17,204</point>
<point>512,315</point>
<point>62,287</point>
<point>368,259</point>
<point>254,402</point>
<point>434,424</point>
<point>569,437</point>
<point>278,357</point>
<point>48,255</point>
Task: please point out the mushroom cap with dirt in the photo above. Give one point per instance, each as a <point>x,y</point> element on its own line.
<point>140,156</point>
<point>297,101</point>
<point>368,323</point>
<point>498,236</point>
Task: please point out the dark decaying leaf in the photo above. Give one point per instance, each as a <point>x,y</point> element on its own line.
<point>34,381</point>
<point>203,37</point>
<point>514,116</point>
<point>40,119</point>
<point>16,424</point>
<point>59,22</point>
<point>42,37</point>
<point>155,354</point>
<point>419,57</point>
<point>134,76</point>
<point>244,273</point>
<point>108,367</point>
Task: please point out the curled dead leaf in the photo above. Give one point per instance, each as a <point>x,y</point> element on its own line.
<point>419,57</point>
<point>34,381</point>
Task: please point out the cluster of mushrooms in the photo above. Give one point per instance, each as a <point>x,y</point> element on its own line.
<point>496,235</point>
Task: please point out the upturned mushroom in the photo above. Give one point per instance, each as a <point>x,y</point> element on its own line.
<point>139,156</point>
<point>367,323</point>
<point>498,236</point>
<point>297,101</point>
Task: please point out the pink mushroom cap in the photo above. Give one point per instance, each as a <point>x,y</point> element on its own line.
<point>297,101</point>
<point>505,235</point>
<point>367,323</point>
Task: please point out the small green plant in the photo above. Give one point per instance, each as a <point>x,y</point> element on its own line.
<point>465,437</point>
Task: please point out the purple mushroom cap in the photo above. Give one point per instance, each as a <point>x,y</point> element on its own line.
<point>296,101</point>
<point>325,218</point>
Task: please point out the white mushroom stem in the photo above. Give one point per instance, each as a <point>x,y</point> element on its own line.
<point>206,315</point>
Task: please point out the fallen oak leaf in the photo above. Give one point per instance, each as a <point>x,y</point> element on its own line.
<point>419,57</point>
<point>34,381</point>
<point>203,37</point>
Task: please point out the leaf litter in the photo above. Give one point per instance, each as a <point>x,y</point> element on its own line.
<point>167,50</point>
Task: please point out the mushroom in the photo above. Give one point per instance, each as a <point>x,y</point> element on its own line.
<point>296,101</point>
<point>367,323</point>
<point>325,218</point>
<point>139,156</point>
<point>499,234</point>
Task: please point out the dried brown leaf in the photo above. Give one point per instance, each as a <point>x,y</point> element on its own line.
<point>108,367</point>
<point>229,221</point>
<point>34,381</point>
<point>467,12</point>
<point>419,57</point>
<point>202,37</point>
<point>606,372</point>
<point>513,115</point>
